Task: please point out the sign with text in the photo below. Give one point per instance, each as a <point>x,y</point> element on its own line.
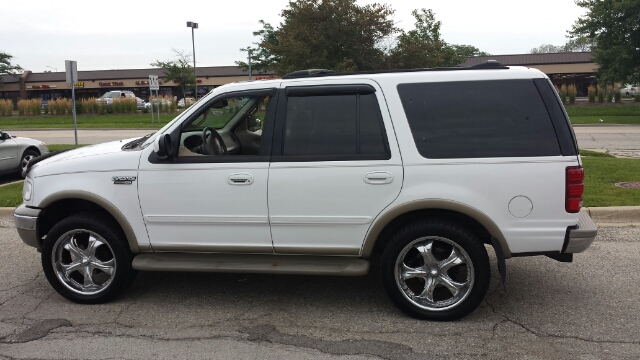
<point>153,82</point>
<point>71,68</point>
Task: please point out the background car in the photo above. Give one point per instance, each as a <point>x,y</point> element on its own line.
<point>140,104</point>
<point>629,90</point>
<point>189,102</point>
<point>108,97</point>
<point>15,152</point>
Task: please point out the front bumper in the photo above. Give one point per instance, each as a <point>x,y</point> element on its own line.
<point>26,219</point>
<point>581,237</point>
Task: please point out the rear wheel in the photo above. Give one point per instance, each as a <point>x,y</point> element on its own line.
<point>86,260</point>
<point>436,270</point>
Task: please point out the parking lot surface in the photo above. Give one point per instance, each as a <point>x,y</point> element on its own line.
<point>584,310</point>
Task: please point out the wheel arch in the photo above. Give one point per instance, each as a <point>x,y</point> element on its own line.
<point>65,203</point>
<point>31,147</point>
<point>396,217</point>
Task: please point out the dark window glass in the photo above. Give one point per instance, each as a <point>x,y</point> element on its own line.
<point>372,140</point>
<point>349,124</point>
<point>478,119</point>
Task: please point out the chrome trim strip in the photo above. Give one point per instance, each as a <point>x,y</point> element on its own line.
<point>25,222</point>
<point>205,219</point>
<point>320,220</point>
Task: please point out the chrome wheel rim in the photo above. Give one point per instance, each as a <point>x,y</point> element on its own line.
<point>83,262</point>
<point>434,273</point>
<point>25,161</point>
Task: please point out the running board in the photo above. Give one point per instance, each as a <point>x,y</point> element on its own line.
<point>266,264</point>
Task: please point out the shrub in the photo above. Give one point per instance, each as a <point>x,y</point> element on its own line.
<point>145,110</point>
<point>6,107</point>
<point>29,107</point>
<point>636,98</point>
<point>90,106</point>
<point>600,94</point>
<point>591,91</point>
<point>79,108</point>
<point>60,106</point>
<point>46,109</point>
<point>617,95</point>
<point>609,93</point>
<point>572,92</point>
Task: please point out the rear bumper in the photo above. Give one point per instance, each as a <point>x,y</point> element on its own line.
<point>581,237</point>
<point>26,219</point>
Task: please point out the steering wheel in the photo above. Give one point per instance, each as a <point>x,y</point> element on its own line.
<point>212,143</point>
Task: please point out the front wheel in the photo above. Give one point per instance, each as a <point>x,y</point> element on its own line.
<point>436,270</point>
<point>27,156</point>
<point>87,260</point>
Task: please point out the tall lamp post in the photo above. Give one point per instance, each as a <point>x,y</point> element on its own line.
<point>193,26</point>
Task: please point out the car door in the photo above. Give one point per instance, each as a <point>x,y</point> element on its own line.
<point>335,166</point>
<point>8,152</point>
<point>212,203</point>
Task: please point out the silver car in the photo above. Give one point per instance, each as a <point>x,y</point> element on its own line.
<point>15,152</point>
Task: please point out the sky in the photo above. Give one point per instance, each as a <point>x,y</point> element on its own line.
<point>102,35</point>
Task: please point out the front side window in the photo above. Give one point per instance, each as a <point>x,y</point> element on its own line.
<point>334,126</point>
<point>230,126</point>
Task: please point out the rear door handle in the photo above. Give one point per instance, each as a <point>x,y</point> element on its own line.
<point>378,177</point>
<point>240,179</point>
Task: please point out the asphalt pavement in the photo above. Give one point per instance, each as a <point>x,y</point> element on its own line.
<point>584,310</point>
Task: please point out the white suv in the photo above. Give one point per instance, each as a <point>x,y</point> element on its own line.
<point>318,173</point>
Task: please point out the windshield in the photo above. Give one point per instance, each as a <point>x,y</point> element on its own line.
<point>111,95</point>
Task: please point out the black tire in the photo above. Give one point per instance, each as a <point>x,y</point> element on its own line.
<point>26,156</point>
<point>439,234</point>
<point>111,237</point>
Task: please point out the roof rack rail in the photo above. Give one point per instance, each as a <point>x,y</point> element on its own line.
<point>488,65</point>
<point>306,73</point>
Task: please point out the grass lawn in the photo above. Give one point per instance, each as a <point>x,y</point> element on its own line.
<point>610,114</point>
<point>11,195</point>
<point>140,121</point>
<point>57,147</point>
<point>600,175</point>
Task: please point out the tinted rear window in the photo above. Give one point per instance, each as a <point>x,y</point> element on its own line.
<point>478,119</point>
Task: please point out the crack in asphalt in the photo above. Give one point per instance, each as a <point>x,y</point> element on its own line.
<point>382,349</point>
<point>36,331</point>
<point>543,334</point>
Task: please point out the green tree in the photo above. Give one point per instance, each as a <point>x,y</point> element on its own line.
<point>6,68</point>
<point>262,59</point>
<point>424,47</point>
<point>612,25</point>
<point>178,70</point>
<point>547,48</point>
<point>468,51</point>
<point>329,34</point>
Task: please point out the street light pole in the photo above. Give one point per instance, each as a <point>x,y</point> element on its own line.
<point>250,50</point>
<point>193,26</point>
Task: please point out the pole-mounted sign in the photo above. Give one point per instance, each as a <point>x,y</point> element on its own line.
<point>154,85</point>
<point>71,68</point>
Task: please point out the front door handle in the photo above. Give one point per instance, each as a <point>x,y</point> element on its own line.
<point>378,177</point>
<point>240,179</point>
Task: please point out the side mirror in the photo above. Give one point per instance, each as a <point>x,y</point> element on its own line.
<point>253,123</point>
<point>163,147</point>
<point>220,104</point>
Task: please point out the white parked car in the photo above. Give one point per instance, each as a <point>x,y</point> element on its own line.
<point>16,152</point>
<point>107,98</point>
<point>349,168</point>
<point>629,90</point>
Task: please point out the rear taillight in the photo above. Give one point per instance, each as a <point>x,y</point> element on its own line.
<point>575,189</point>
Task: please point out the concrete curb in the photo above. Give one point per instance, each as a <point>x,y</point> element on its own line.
<point>613,214</point>
<point>605,215</point>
